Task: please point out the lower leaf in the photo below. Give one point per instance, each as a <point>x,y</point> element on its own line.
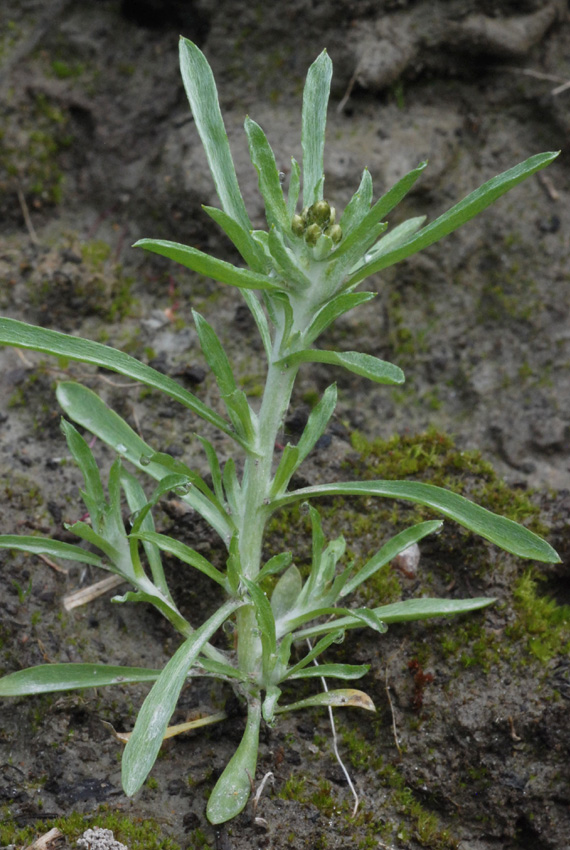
<point>233,788</point>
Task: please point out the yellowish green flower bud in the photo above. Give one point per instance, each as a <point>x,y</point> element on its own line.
<point>335,233</point>
<point>320,212</point>
<point>312,233</point>
<point>298,225</point>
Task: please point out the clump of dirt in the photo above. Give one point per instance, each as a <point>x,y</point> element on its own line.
<point>469,745</point>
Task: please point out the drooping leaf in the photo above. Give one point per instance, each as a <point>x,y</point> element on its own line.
<point>47,678</point>
<point>52,548</point>
<point>503,532</point>
<point>21,335</point>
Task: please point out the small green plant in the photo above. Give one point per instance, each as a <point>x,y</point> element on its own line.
<point>306,268</point>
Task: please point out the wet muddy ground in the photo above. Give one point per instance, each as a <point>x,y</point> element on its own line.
<point>469,745</point>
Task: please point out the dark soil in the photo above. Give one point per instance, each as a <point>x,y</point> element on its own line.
<point>470,744</point>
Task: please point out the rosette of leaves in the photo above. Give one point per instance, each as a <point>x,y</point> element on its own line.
<point>297,278</point>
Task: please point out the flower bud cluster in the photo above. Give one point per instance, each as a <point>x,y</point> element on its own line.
<point>315,220</point>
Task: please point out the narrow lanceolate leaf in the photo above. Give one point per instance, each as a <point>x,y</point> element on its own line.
<point>317,422</point>
<point>21,335</point>
<point>260,319</point>
<point>270,188</point>
<point>285,262</point>
<point>409,610</point>
<point>294,186</point>
<point>209,266</point>
<point>336,699</point>
<point>86,408</point>
<point>358,205</point>
<point>314,119</point>
<point>53,548</point>
<point>144,744</point>
<point>183,552</point>
<point>361,364</point>
<point>395,237</point>
<point>337,671</point>
<point>47,678</point>
<point>462,212</point>
<point>249,249</point>
<point>503,532</point>
<point>231,791</point>
<point>381,208</point>
<point>203,98</point>
<point>389,551</point>
<point>332,310</point>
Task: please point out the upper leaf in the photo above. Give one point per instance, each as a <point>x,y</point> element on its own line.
<point>315,102</point>
<point>203,97</point>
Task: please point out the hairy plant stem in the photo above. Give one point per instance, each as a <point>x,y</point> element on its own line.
<point>256,484</point>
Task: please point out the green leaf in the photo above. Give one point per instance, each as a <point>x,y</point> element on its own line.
<point>286,592</point>
<point>407,611</point>
<point>53,548</point>
<point>263,615</point>
<point>203,98</point>
<point>354,361</point>
<point>317,422</point>
<point>220,669</point>
<point>136,499</point>
<point>47,678</point>
<point>358,234</point>
<point>397,236</point>
<point>294,186</point>
<point>270,188</point>
<point>93,495</point>
<point>332,310</point>
<point>206,265</point>
<point>462,212</point>
<point>183,553</point>
<point>146,739</point>
<point>231,791</point>
<point>256,310</point>
<point>85,407</point>
<point>287,466</point>
<point>389,551</point>
<point>21,335</point>
<point>334,636</point>
<point>358,205</point>
<point>336,699</point>
<point>249,249</point>
<point>274,565</point>
<point>337,671</point>
<point>286,262</point>
<point>215,470</point>
<point>231,486</point>
<point>215,355</point>
<point>503,532</point>
<point>314,119</point>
